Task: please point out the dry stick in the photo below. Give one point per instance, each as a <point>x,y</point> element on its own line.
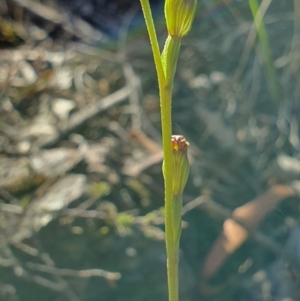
<point>133,81</point>
<point>24,274</point>
<point>57,287</point>
<point>73,273</point>
<point>88,112</point>
<point>9,208</point>
<point>131,77</point>
<point>11,199</point>
<point>46,13</point>
<point>65,287</point>
<point>140,119</point>
<point>26,249</point>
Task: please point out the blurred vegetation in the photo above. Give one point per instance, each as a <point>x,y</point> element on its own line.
<point>81,189</point>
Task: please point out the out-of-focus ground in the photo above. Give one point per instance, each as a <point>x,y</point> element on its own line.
<point>81,190</point>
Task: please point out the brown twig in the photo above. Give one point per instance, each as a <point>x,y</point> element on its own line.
<point>73,273</point>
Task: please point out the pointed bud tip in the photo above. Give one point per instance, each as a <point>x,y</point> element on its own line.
<point>179,143</point>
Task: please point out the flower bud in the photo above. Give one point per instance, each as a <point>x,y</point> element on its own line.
<point>180,175</point>
<point>179,16</point>
<point>180,164</point>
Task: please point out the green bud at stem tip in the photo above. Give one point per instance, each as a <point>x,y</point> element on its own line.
<point>179,16</point>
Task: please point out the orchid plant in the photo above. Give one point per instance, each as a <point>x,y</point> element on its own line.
<point>179,16</point>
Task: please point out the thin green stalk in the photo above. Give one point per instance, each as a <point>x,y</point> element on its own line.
<point>165,92</point>
<point>179,16</point>
<point>266,49</point>
<point>177,208</point>
<point>172,257</point>
<point>172,270</point>
<point>154,42</point>
<point>169,59</point>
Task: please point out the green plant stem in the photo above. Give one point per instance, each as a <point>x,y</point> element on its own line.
<point>154,42</point>
<point>266,49</point>
<point>173,274</point>
<point>177,208</point>
<point>165,68</point>
<point>172,260</point>
<point>169,59</point>
<point>165,76</point>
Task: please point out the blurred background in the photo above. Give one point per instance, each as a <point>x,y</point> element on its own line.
<point>81,189</point>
